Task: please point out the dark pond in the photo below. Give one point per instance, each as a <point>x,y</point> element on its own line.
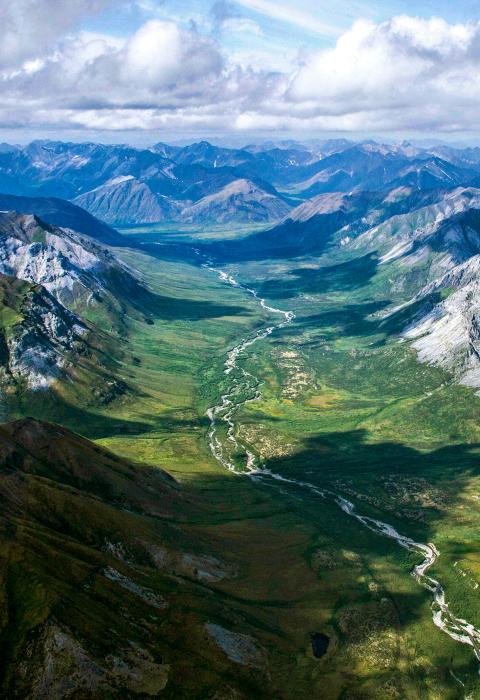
<point>319,643</point>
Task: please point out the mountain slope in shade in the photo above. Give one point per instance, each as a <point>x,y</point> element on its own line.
<point>329,219</point>
<point>59,212</point>
<point>65,579</point>
<point>240,201</point>
<point>107,584</point>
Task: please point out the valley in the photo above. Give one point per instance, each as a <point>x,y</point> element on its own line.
<point>239,350</point>
<point>335,410</point>
<point>267,412</point>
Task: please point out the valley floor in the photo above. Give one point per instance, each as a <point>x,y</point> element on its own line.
<point>343,405</point>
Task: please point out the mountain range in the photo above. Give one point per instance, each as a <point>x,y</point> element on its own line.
<point>133,565</point>
<point>124,186</point>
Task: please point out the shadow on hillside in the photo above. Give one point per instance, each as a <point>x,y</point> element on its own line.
<point>328,460</point>
<point>351,454</point>
<point>347,276</point>
<point>157,306</point>
<point>172,309</point>
<point>86,422</point>
<point>345,320</point>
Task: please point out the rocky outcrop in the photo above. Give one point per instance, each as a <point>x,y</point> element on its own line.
<point>76,270</point>
<point>40,338</point>
<point>447,333</point>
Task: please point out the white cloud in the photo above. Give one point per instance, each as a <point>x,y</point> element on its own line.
<point>405,74</point>
<point>30,27</point>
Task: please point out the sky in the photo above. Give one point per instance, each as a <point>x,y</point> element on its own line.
<point>239,70</point>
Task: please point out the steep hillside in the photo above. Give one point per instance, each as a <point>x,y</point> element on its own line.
<point>76,527</point>
<point>91,543</point>
<point>241,201</point>
<point>59,212</point>
<point>82,274</point>
<point>45,347</point>
<point>326,218</point>
<point>39,337</point>
<point>127,200</point>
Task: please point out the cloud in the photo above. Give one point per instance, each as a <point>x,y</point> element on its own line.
<point>285,12</point>
<point>406,74</point>
<point>413,72</point>
<point>222,10</point>
<point>30,27</point>
<point>242,25</point>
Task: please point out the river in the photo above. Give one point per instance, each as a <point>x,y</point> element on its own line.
<point>244,387</point>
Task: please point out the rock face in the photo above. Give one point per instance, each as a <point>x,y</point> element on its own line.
<point>433,252</point>
<point>448,227</point>
<point>54,283</point>
<point>76,270</point>
<point>447,333</point>
<point>240,648</point>
<point>39,336</point>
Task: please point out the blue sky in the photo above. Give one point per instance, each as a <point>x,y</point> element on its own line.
<point>224,68</point>
<point>274,29</point>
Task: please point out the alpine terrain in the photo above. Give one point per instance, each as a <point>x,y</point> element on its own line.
<point>240,421</point>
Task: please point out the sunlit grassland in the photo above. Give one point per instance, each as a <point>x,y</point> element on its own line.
<point>343,404</point>
<point>371,421</point>
<point>153,233</point>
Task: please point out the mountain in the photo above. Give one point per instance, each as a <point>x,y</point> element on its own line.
<point>59,212</point>
<point>44,347</point>
<point>370,167</point>
<point>80,273</point>
<point>126,200</point>
<point>207,155</point>
<point>39,338</point>
<point>433,257</point>
<point>125,185</point>
<point>335,216</point>
<point>445,322</point>
<point>240,201</point>
<point>51,168</point>
<point>72,567</point>
<point>109,587</point>
<point>441,234</point>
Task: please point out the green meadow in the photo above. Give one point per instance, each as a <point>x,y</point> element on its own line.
<point>343,405</point>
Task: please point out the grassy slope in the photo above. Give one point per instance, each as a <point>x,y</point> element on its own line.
<point>363,414</point>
